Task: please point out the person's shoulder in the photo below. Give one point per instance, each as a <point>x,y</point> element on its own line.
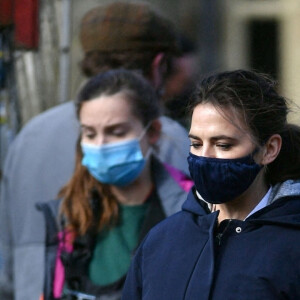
<point>171,222</point>
<point>166,228</point>
<point>50,120</point>
<point>54,114</point>
<point>43,127</point>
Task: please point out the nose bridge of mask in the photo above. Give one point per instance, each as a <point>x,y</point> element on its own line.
<point>122,152</point>
<point>126,142</point>
<point>119,150</point>
<point>115,163</point>
<point>129,155</point>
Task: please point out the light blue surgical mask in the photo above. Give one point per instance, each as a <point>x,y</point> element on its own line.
<point>115,163</point>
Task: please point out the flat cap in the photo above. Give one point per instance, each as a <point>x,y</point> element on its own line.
<point>126,26</point>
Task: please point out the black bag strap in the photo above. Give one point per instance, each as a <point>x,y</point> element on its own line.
<point>50,211</point>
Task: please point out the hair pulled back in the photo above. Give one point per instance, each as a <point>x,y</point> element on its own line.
<point>98,61</point>
<point>254,97</point>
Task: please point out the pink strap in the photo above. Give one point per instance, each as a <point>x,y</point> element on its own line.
<point>183,181</point>
<point>65,244</point>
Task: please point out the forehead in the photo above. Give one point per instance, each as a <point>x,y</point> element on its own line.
<point>206,118</point>
<point>107,109</point>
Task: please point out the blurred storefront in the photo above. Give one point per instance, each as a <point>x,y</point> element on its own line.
<point>265,35</point>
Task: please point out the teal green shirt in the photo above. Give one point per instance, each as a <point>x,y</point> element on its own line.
<point>114,247</point>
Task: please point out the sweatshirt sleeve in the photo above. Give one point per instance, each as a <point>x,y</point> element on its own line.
<point>6,245</point>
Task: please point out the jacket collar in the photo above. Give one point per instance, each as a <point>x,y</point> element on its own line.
<point>283,207</point>
<point>286,189</point>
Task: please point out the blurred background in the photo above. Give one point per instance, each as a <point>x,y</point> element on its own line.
<point>40,51</point>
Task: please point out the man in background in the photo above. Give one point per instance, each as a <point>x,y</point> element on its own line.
<point>41,159</point>
<point>180,84</point>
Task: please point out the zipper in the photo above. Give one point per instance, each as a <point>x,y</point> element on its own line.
<point>220,235</point>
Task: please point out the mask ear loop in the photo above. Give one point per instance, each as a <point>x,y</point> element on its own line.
<point>144,131</point>
<point>149,151</point>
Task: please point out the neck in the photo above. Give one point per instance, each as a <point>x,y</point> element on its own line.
<point>137,192</point>
<point>240,207</point>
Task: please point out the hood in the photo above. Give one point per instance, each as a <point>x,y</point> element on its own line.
<point>286,189</point>
<point>283,207</point>
<point>194,205</point>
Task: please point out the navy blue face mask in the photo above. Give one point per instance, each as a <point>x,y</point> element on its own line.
<point>221,180</point>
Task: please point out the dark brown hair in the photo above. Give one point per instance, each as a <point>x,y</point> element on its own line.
<point>87,202</point>
<point>254,97</point>
<point>99,61</point>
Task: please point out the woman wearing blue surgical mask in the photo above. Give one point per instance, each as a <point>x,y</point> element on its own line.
<point>118,191</point>
<point>237,236</point>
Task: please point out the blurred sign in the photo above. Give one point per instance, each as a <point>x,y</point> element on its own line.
<point>23,15</point>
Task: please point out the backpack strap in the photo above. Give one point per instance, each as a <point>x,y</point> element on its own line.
<point>50,209</point>
<point>50,212</point>
<point>65,245</point>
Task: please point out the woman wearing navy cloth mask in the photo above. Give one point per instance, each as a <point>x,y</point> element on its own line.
<point>237,236</point>
<point>118,191</point>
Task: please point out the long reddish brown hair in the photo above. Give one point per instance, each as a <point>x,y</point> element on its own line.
<point>78,195</point>
<point>87,203</point>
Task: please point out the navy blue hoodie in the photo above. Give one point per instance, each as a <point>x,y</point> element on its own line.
<point>187,256</point>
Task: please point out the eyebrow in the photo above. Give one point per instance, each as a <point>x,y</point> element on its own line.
<point>83,126</point>
<point>218,137</point>
<point>108,127</point>
<point>193,136</point>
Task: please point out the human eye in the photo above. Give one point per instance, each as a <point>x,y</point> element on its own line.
<point>90,136</point>
<point>224,146</point>
<point>88,133</point>
<point>195,145</point>
<point>118,132</point>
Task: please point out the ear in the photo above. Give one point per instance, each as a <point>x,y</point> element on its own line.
<point>271,149</point>
<point>158,70</point>
<point>154,131</point>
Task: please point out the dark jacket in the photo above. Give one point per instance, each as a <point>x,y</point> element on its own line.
<point>188,257</point>
<point>171,187</point>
